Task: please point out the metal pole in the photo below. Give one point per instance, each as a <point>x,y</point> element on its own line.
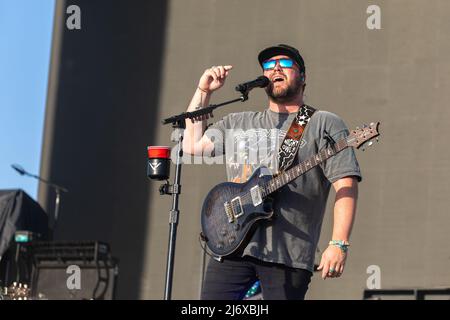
<point>178,122</point>
<point>173,220</point>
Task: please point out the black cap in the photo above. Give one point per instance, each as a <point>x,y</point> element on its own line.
<point>282,49</point>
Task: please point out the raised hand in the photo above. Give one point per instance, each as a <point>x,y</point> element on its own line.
<point>213,78</point>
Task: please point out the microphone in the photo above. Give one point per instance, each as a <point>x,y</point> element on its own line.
<point>259,82</point>
<point>19,169</point>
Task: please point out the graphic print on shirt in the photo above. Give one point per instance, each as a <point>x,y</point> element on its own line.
<point>247,150</point>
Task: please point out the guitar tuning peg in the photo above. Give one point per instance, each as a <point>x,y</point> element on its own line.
<point>357,128</point>
<point>364,125</point>
<point>363,149</point>
<point>370,143</point>
<point>377,140</point>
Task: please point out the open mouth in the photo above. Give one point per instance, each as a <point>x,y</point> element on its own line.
<point>277,79</point>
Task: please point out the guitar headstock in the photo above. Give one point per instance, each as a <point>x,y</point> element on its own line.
<point>360,136</point>
<point>17,291</point>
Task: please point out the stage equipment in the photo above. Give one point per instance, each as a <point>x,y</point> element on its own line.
<point>178,123</point>
<point>70,270</point>
<point>58,189</point>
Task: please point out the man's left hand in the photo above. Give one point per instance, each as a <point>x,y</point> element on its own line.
<point>332,262</point>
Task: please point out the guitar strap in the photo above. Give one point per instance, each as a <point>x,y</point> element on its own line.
<point>292,139</point>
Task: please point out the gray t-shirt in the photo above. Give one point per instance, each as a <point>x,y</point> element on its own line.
<point>252,139</point>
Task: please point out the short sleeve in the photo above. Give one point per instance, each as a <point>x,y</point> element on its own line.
<point>344,163</point>
<point>216,133</point>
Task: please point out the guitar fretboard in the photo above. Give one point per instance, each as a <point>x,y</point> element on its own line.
<point>287,176</point>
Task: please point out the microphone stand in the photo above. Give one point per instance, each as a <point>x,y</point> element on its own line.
<point>58,189</point>
<point>204,111</point>
<point>178,122</point>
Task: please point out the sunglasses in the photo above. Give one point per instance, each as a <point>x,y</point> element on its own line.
<point>284,63</point>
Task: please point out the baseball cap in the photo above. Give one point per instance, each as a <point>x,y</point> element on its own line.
<point>282,49</point>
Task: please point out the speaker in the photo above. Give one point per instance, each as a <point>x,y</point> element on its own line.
<point>75,280</point>
<point>71,270</point>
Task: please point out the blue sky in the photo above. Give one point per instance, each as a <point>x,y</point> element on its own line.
<point>25,44</point>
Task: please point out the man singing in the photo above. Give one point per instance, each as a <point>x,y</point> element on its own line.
<point>280,253</point>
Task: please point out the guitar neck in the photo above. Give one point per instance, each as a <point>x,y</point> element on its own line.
<point>287,176</point>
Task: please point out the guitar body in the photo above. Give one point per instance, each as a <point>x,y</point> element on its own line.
<point>230,210</point>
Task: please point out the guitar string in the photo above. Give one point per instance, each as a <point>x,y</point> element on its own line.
<point>282,180</point>
<point>265,186</point>
<point>323,155</point>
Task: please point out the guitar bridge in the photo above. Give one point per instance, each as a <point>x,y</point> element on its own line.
<point>229,211</point>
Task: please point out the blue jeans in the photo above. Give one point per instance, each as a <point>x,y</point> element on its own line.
<point>230,280</point>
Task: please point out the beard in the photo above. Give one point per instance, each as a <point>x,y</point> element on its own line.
<point>284,94</point>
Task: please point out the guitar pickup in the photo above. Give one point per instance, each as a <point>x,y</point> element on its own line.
<point>236,206</point>
<point>255,193</point>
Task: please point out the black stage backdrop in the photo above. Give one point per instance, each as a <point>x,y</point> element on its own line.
<point>102,97</point>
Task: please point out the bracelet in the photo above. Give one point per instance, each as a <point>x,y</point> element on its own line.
<point>202,90</point>
<point>342,244</point>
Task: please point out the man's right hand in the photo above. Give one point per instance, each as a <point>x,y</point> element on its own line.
<point>195,142</point>
<point>213,78</point>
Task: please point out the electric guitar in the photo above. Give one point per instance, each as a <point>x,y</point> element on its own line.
<point>231,210</point>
